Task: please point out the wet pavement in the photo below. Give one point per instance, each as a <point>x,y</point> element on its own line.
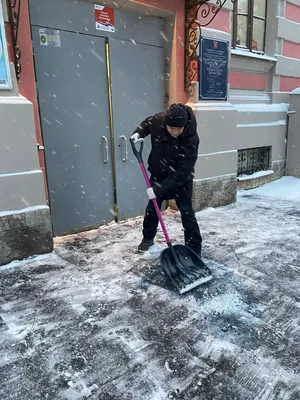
<point>96,320</point>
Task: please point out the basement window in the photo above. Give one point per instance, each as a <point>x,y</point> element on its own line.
<point>253,160</point>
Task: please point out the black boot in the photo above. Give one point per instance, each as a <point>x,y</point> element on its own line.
<point>145,245</point>
<point>196,250</point>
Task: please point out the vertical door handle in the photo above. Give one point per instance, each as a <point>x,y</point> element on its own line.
<point>126,148</point>
<point>106,149</point>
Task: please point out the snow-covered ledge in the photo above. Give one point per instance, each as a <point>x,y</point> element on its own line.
<point>255,175</point>
<point>250,54</point>
<point>256,179</point>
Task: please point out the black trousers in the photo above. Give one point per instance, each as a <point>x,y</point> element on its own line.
<point>183,198</point>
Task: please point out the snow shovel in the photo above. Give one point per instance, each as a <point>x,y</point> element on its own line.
<point>181,265</point>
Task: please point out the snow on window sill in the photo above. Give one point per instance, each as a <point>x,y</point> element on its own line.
<point>247,53</point>
<point>255,175</point>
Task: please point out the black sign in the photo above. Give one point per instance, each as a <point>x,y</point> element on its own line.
<point>213,69</point>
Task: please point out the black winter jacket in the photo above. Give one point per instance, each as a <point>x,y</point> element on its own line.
<point>171,160</point>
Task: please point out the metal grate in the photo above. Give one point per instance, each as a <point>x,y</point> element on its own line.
<point>253,160</point>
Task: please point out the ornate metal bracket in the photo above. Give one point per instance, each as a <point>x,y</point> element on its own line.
<point>14,10</point>
<point>207,12</point>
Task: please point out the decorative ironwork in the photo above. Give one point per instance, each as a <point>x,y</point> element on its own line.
<point>207,13</point>
<point>14,11</point>
<point>253,160</point>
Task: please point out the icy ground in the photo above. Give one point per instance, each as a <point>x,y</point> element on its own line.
<point>95,320</point>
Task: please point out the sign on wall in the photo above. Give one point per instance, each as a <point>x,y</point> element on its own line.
<point>104,18</point>
<point>5,77</point>
<point>49,37</point>
<point>213,69</point>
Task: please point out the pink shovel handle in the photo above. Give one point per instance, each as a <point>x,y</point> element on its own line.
<point>163,226</point>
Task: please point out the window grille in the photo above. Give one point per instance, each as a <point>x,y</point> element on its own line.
<point>253,160</point>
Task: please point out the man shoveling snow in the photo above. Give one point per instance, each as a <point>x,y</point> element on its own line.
<point>174,152</point>
<point>171,163</point>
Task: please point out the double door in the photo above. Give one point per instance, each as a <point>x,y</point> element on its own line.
<point>92,93</point>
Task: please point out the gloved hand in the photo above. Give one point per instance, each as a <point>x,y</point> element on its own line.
<point>136,138</point>
<point>151,194</point>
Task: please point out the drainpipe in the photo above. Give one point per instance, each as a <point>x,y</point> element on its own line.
<point>287,137</point>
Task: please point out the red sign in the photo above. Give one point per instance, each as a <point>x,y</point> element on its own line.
<point>104,18</point>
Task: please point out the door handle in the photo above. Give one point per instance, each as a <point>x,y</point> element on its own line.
<point>106,149</point>
<point>126,148</point>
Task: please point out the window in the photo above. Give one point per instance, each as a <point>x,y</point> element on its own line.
<point>248,25</point>
<point>253,160</point>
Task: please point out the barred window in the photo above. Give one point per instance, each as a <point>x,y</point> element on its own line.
<point>253,160</point>
<point>248,25</point>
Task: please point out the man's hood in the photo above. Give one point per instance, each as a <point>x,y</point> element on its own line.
<point>191,127</point>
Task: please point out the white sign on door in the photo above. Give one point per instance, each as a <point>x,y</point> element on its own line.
<point>50,37</point>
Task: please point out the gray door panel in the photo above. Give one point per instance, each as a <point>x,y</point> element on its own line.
<point>137,73</point>
<point>78,16</point>
<point>73,100</point>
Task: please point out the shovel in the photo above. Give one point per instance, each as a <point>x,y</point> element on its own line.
<point>181,265</point>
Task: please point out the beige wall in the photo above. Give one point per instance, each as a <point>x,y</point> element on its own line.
<point>25,222</point>
<point>288,30</point>
<point>21,179</point>
<point>249,119</point>
<point>264,125</point>
<point>287,66</point>
<point>293,149</point>
<point>234,127</point>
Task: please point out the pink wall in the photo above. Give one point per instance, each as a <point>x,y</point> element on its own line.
<point>160,4</point>
<point>180,50</point>
<point>221,21</point>
<point>292,12</point>
<point>288,84</point>
<point>291,49</point>
<point>239,80</point>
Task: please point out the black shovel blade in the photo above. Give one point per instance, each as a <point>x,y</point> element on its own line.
<point>186,270</point>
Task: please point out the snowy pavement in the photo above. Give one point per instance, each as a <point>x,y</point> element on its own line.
<point>95,320</point>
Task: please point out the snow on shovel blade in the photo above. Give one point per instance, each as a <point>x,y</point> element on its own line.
<point>184,268</point>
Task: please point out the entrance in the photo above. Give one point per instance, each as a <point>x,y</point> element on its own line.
<point>93,89</point>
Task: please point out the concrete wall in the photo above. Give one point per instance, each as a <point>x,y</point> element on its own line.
<point>25,224</point>
<point>293,148</point>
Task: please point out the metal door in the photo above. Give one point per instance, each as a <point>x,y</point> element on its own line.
<point>137,76</point>
<point>74,109</point>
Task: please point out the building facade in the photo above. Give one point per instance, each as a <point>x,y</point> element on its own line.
<point>244,139</point>
<point>84,76</point>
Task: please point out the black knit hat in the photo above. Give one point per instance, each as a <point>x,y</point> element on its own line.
<point>177,115</point>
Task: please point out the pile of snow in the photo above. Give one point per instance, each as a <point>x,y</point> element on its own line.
<point>287,188</point>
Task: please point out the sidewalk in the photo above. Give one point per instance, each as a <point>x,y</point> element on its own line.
<point>95,320</point>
